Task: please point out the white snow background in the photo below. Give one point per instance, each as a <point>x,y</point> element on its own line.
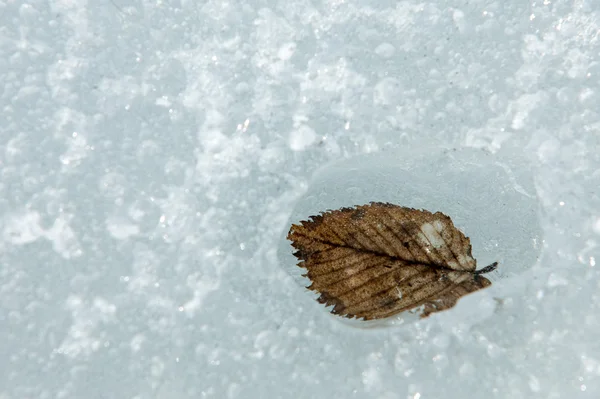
<point>151,153</point>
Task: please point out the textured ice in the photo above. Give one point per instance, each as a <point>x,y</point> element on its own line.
<point>152,154</point>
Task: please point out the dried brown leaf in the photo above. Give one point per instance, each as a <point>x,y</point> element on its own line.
<point>377,260</point>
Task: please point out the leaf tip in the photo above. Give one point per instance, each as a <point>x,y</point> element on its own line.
<point>487,269</point>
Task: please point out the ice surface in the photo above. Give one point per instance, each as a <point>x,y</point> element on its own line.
<point>153,152</point>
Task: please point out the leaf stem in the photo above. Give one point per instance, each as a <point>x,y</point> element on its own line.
<point>487,269</point>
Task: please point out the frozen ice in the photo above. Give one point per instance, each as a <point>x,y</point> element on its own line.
<point>153,155</point>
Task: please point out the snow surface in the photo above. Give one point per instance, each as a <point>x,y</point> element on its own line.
<point>153,153</point>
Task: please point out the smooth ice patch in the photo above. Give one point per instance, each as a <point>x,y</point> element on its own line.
<point>487,196</point>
